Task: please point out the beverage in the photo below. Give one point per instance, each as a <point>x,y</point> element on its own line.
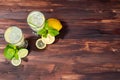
<point>13,35</point>
<point>36,20</point>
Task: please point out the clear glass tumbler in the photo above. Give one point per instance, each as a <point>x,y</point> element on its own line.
<point>14,35</point>
<point>36,20</point>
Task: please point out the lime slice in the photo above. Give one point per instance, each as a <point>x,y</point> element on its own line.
<point>16,62</point>
<point>22,53</point>
<point>36,20</point>
<point>40,44</point>
<point>49,39</point>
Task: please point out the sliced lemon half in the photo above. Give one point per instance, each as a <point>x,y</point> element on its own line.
<point>55,23</point>
<point>22,53</point>
<point>49,39</point>
<point>40,44</point>
<point>16,62</point>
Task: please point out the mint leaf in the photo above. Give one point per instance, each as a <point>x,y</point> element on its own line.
<point>16,56</point>
<point>11,46</point>
<point>9,53</point>
<point>53,32</point>
<point>42,31</point>
<point>44,35</point>
<point>46,25</point>
<point>49,28</point>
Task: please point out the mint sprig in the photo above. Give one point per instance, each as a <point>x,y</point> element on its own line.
<point>42,32</point>
<point>53,32</point>
<point>47,30</point>
<point>10,51</point>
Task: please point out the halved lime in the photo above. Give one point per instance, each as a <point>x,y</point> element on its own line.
<point>16,62</point>
<point>22,53</point>
<point>36,20</point>
<point>49,39</point>
<point>40,44</point>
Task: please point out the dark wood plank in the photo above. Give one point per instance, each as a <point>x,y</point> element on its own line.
<point>88,47</point>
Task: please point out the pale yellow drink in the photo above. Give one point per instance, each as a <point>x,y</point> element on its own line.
<point>13,35</point>
<point>36,20</point>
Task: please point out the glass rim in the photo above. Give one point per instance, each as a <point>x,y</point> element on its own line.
<point>6,34</point>
<point>31,14</point>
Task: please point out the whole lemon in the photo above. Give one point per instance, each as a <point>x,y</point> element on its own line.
<point>54,23</point>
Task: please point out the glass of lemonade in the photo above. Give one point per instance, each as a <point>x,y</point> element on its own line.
<point>36,20</point>
<point>14,35</point>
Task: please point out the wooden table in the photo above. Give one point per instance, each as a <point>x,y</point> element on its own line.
<point>88,47</point>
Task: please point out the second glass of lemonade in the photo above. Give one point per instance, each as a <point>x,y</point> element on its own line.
<point>14,35</point>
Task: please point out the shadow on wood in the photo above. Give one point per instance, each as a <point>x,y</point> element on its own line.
<point>64,31</point>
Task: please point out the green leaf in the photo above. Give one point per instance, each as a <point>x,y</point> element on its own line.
<point>46,25</point>
<point>16,56</point>
<point>42,31</point>
<point>9,53</point>
<point>48,28</point>
<point>53,32</point>
<point>44,35</point>
<point>11,46</point>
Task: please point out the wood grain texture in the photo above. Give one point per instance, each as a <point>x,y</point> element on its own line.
<point>88,47</point>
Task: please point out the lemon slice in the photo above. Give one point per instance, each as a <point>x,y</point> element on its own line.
<point>49,39</point>
<point>40,44</point>
<point>22,53</point>
<point>16,62</point>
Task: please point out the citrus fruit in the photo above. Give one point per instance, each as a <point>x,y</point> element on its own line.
<point>22,53</point>
<point>49,39</point>
<point>40,44</point>
<point>16,62</point>
<point>54,23</point>
<point>36,20</point>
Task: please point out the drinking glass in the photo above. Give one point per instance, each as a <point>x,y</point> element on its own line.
<point>14,35</point>
<point>36,20</point>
